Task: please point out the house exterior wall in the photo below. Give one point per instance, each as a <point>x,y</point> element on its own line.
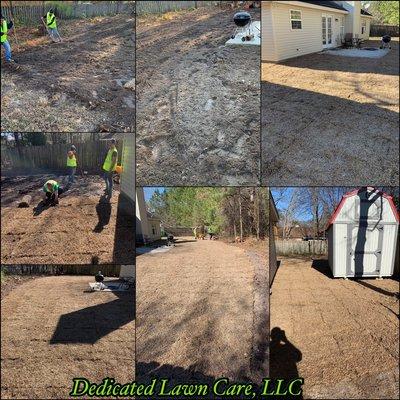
<point>154,229</point>
<point>282,42</point>
<point>128,163</point>
<point>366,34</point>
<point>268,51</point>
<point>142,228</point>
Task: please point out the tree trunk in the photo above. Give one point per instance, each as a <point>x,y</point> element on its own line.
<point>240,216</point>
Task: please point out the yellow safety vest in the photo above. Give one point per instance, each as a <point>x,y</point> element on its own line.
<point>4,30</point>
<point>71,162</point>
<point>108,160</point>
<point>54,185</point>
<point>51,17</point>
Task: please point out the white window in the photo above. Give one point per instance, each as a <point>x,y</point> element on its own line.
<point>363,26</point>
<point>295,19</point>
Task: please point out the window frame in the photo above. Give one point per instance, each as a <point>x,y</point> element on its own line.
<point>296,19</point>
<point>363,26</point>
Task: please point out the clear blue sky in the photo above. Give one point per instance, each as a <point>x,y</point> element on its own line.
<point>282,201</point>
<point>148,192</point>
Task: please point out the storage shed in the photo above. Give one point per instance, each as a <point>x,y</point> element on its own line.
<point>362,235</point>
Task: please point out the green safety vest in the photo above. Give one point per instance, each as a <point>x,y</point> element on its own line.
<point>108,160</point>
<point>49,18</point>
<point>54,185</point>
<point>4,30</point>
<point>71,162</point>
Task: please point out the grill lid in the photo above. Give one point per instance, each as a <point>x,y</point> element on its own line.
<point>242,18</point>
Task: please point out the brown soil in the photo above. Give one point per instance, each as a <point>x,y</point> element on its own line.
<point>198,101</point>
<point>342,335</point>
<point>331,120</point>
<point>10,282</point>
<point>199,308</point>
<point>74,86</point>
<point>80,230</point>
<point>54,330</point>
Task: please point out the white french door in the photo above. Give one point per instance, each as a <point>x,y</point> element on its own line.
<point>327,31</point>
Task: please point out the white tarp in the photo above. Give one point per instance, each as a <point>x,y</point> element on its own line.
<point>253,30</point>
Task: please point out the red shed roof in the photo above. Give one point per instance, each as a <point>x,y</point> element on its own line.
<point>354,193</point>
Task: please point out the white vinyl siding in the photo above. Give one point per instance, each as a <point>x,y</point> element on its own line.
<point>128,164</point>
<point>268,51</point>
<point>366,23</point>
<point>288,42</point>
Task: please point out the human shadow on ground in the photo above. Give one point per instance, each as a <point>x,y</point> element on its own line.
<point>284,357</point>
<point>103,210</point>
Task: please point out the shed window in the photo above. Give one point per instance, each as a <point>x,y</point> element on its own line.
<point>295,19</point>
<point>363,26</point>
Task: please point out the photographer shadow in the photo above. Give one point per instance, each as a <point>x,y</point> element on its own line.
<point>284,357</point>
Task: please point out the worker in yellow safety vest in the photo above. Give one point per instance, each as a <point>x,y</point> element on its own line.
<point>6,29</point>
<point>51,191</point>
<point>51,25</point>
<point>72,163</point>
<point>109,166</point>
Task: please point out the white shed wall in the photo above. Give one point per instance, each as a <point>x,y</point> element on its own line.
<point>338,236</point>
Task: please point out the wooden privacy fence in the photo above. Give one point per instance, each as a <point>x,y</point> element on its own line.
<point>107,270</point>
<point>381,30</point>
<point>90,156</point>
<point>300,247</point>
<point>160,7</point>
<point>31,14</point>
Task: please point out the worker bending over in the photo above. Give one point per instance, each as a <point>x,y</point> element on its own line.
<point>71,164</point>
<point>109,166</point>
<point>6,29</point>
<point>52,191</point>
<point>51,23</point>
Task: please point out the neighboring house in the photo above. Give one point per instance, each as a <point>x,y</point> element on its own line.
<point>273,221</point>
<point>295,28</point>
<point>148,226</point>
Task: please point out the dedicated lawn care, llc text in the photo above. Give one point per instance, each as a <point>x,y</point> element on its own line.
<point>161,388</point>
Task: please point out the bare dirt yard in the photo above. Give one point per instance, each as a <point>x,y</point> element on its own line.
<point>342,336</point>
<point>198,99</point>
<point>53,330</point>
<point>203,312</point>
<point>84,84</point>
<point>81,229</point>
<point>331,120</point>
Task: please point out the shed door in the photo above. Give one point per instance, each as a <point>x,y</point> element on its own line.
<point>364,249</point>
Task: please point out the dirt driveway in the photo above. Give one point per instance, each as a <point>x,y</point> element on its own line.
<point>331,120</point>
<point>53,330</point>
<point>85,84</point>
<point>80,230</point>
<point>198,101</point>
<point>199,308</point>
<point>343,335</point>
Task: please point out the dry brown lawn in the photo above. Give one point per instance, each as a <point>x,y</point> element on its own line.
<point>54,330</point>
<point>200,312</point>
<point>343,335</point>
<point>331,120</point>
<point>80,230</point>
